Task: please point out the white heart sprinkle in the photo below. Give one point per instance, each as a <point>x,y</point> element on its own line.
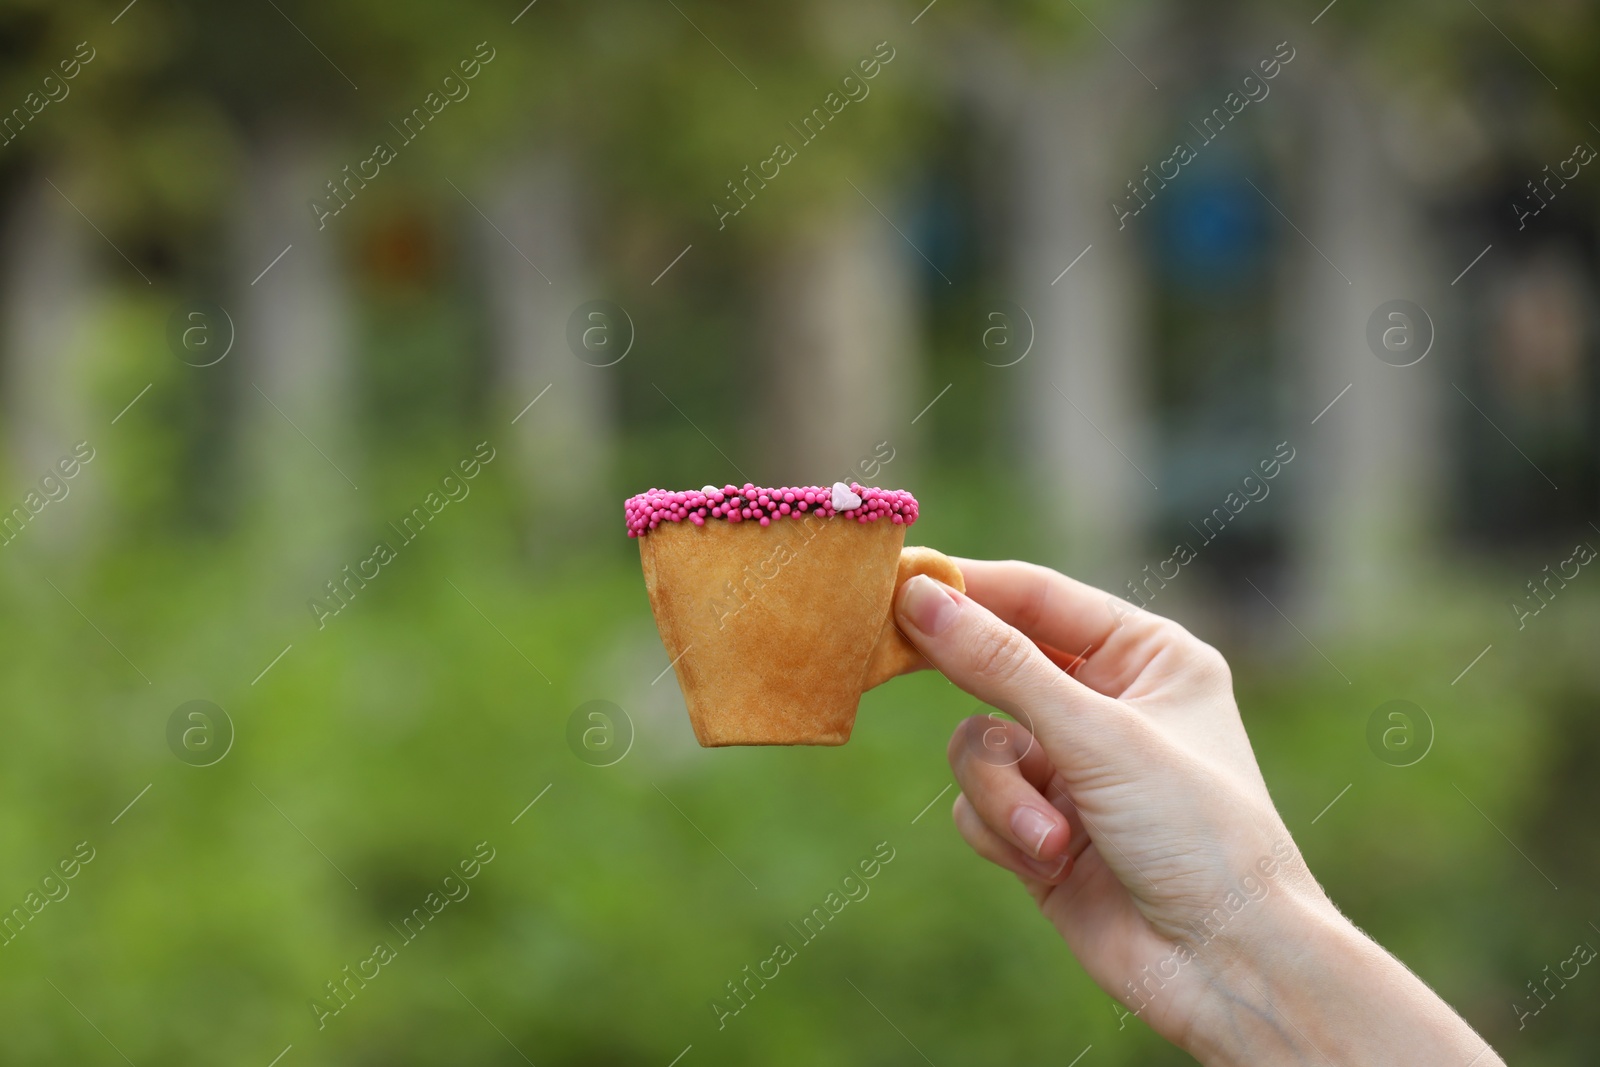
<point>843,498</point>
<point>709,489</point>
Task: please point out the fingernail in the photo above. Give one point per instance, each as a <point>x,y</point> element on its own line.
<point>1031,827</point>
<point>927,604</point>
<point>1050,868</point>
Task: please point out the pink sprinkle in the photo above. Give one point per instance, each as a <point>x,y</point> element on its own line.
<point>645,511</point>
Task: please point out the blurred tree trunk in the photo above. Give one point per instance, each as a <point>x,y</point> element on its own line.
<point>537,278</point>
<point>49,296</point>
<point>837,322</point>
<point>1086,439</point>
<point>1371,487</point>
<point>295,336</point>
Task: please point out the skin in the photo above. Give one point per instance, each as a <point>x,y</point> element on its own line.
<point>1132,809</point>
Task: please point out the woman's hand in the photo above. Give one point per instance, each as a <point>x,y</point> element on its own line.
<point>1127,799</point>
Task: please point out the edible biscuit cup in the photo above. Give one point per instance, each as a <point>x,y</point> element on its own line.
<point>776,630</point>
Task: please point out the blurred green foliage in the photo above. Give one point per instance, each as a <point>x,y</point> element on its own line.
<point>412,728</point>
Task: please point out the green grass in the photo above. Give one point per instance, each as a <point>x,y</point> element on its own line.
<point>412,728</point>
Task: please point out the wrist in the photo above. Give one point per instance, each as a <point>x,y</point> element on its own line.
<point>1263,985</point>
<point>1304,985</point>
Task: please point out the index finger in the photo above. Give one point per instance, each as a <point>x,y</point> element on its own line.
<point>1052,609</point>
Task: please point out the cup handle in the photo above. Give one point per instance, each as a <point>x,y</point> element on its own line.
<point>893,655</point>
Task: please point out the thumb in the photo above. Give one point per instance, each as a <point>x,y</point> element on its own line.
<point>1077,727</point>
